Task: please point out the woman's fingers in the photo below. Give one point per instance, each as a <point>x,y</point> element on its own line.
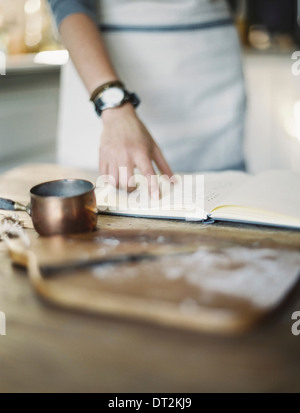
<point>123,176</point>
<point>103,164</point>
<point>146,168</point>
<point>114,174</point>
<point>127,144</point>
<point>126,177</point>
<point>161,163</point>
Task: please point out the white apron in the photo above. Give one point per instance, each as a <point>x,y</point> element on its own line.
<point>182,58</point>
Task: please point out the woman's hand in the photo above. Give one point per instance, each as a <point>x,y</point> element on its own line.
<point>125,142</point>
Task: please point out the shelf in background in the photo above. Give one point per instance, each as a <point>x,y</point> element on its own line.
<point>44,61</point>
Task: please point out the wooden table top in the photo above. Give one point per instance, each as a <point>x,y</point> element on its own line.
<point>48,349</point>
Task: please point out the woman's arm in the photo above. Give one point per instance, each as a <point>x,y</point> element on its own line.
<point>82,38</point>
<point>125,141</point>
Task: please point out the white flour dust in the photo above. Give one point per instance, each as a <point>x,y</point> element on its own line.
<point>262,276</point>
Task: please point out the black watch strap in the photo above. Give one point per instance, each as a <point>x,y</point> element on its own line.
<point>132,98</point>
<point>128,97</point>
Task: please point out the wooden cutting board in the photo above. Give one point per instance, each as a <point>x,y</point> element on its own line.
<point>180,279</point>
<point>221,278</point>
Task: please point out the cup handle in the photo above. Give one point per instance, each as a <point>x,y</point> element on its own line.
<point>9,205</point>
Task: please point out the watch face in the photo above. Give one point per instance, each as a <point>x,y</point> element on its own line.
<point>112,96</point>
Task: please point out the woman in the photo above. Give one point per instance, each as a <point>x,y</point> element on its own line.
<point>182,59</point>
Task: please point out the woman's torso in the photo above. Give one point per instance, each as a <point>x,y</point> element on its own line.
<point>182,58</point>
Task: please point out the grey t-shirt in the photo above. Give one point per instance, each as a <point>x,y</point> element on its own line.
<point>63,8</point>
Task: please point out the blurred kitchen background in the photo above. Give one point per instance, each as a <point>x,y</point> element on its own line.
<point>29,92</point>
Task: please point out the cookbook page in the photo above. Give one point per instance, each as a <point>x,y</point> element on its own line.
<point>273,191</point>
<point>219,185</point>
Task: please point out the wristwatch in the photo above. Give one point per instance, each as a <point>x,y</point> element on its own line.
<point>112,95</point>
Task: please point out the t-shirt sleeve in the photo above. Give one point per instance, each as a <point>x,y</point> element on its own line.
<point>63,8</point>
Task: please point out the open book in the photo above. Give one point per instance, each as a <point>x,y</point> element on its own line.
<point>269,198</point>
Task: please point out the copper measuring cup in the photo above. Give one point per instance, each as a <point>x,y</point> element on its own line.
<point>63,206</point>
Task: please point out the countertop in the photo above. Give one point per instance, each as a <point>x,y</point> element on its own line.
<point>48,349</point>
